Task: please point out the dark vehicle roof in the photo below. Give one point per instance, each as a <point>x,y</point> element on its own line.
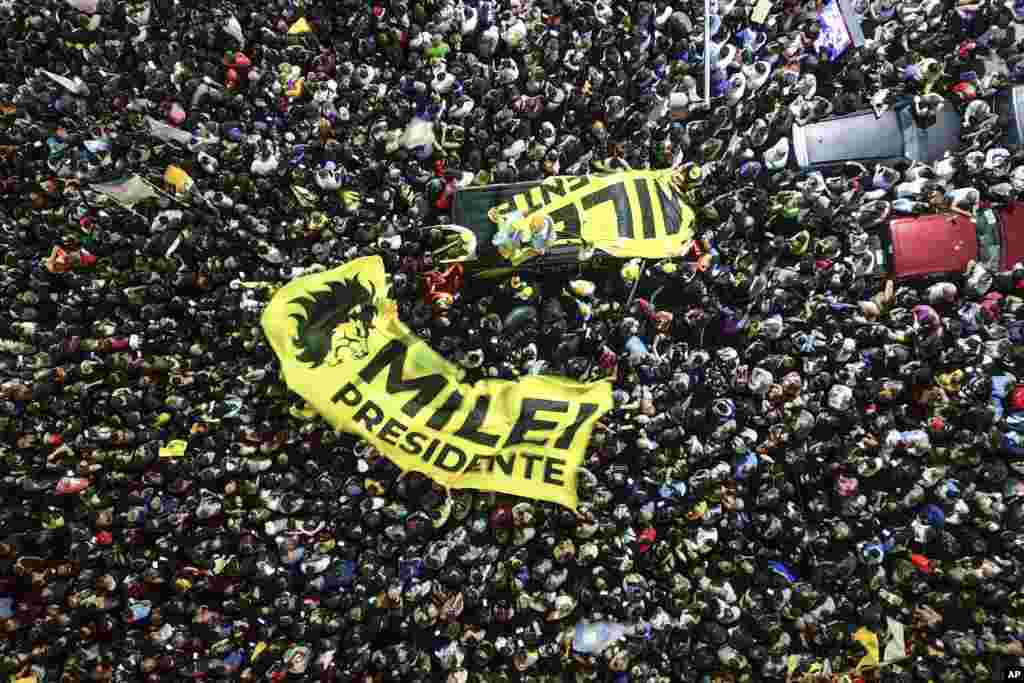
<point>862,136</point>
<point>939,243</point>
<point>851,137</point>
<point>471,204</point>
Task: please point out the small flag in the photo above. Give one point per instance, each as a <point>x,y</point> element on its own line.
<point>127,192</point>
<point>299,27</point>
<point>76,85</point>
<point>869,640</point>
<point>896,647</point>
<point>173,449</point>
<point>234,29</point>
<point>834,37</point>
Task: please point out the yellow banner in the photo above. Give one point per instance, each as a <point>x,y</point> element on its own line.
<point>633,214</point>
<point>344,350</point>
<point>869,639</point>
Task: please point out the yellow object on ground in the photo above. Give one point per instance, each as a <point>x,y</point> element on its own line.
<point>174,449</point>
<point>299,27</point>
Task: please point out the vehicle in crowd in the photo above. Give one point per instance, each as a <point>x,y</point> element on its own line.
<point>942,245</point>
<point>866,137</point>
<point>589,220</point>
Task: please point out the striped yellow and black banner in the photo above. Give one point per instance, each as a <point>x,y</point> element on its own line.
<point>630,214</point>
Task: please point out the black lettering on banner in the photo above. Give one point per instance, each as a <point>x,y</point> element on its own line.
<point>569,216</point>
<point>391,430</point>
<point>429,453</point>
<point>616,194</point>
<point>474,464</point>
<point>528,422</point>
<point>565,440</point>
<point>530,203</point>
<point>530,460</point>
<point>443,414</point>
<point>369,414</point>
<point>669,210</point>
<point>554,186</point>
<point>413,443</point>
<point>348,395</point>
<point>442,459</point>
<point>643,189</point>
<point>506,465</point>
<point>470,430</point>
<point>392,356</point>
<point>553,472</point>
<point>519,203</point>
<point>577,182</point>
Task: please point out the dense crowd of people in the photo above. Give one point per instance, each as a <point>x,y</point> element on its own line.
<point>803,459</point>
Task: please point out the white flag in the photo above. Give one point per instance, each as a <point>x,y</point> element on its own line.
<point>234,29</point>
<point>896,647</point>
<point>167,133</point>
<point>75,85</point>
<point>127,192</point>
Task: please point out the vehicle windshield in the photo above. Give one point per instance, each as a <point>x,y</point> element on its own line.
<point>989,247</point>
<point>472,204</point>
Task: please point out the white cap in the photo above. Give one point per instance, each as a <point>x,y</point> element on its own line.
<point>760,381</point>
<point>840,397</point>
<point>772,327</point>
<point>845,351</point>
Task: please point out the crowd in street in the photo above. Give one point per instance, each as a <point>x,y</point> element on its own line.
<point>807,463</point>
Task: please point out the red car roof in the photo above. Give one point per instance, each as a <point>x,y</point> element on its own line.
<point>1013,235</point>
<point>939,243</point>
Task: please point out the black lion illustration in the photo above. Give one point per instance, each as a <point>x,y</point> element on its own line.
<point>338,318</point>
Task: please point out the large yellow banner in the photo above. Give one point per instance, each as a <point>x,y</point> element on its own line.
<point>344,350</point>
<point>633,214</point>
